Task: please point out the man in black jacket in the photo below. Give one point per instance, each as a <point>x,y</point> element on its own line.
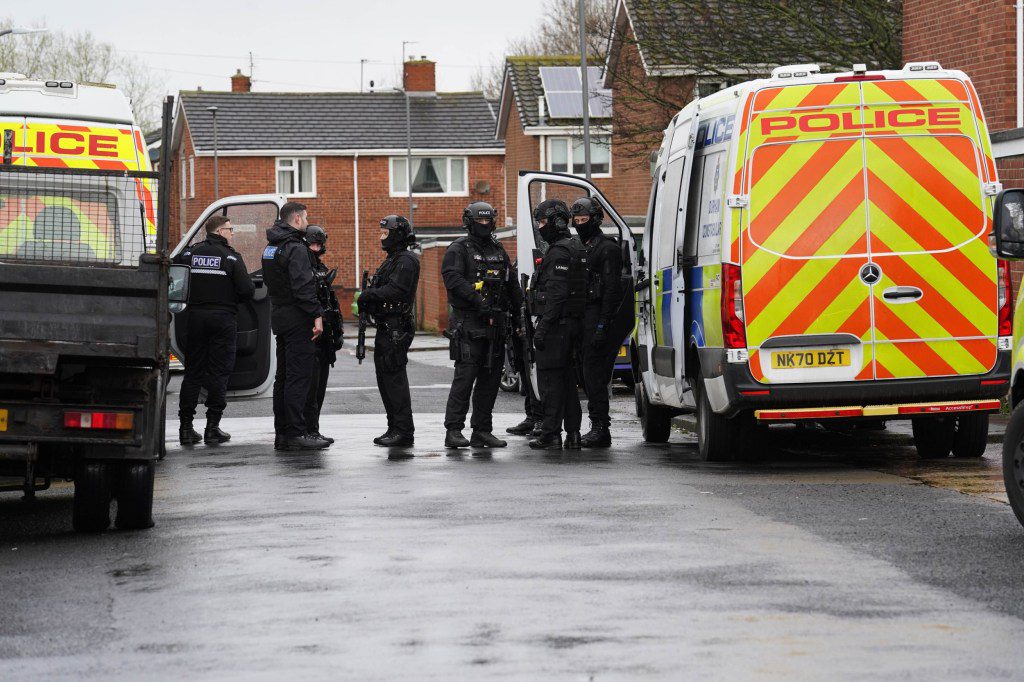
<point>482,292</point>
<point>604,296</point>
<point>389,298</point>
<point>558,294</point>
<point>219,282</point>
<point>296,319</point>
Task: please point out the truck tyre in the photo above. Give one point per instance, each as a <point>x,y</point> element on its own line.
<point>1013,462</point>
<point>721,439</point>
<point>135,496</point>
<point>90,512</point>
<point>971,437</point>
<point>655,420</point>
<point>933,436</point>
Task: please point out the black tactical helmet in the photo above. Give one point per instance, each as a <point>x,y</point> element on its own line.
<point>399,232</point>
<point>478,212</point>
<point>588,206</point>
<point>555,211</point>
<point>315,235</point>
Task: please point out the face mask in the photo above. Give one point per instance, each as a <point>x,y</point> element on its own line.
<point>587,230</point>
<point>481,230</point>
<point>394,239</point>
<point>549,232</point>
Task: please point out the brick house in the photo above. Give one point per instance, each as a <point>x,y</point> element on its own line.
<point>977,37</point>
<point>537,136</point>
<point>344,156</point>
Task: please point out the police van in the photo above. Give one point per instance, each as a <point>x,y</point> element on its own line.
<point>816,248</point>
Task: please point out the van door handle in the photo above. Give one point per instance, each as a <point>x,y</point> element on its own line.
<point>902,294</point>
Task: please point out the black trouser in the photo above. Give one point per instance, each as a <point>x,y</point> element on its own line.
<point>390,357</point>
<point>210,342</point>
<point>473,380</point>
<point>296,355</point>
<point>598,364</point>
<point>317,387</point>
<point>556,375</point>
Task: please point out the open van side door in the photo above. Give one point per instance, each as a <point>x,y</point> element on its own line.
<point>255,361</point>
<point>536,184</point>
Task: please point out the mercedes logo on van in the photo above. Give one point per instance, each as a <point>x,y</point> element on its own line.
<point>870,273</point>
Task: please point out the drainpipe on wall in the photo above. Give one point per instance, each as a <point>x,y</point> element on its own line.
<point>355,198</point>
<point>1019,6</point>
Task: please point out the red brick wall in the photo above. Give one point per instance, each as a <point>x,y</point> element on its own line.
<point>975,36</point>
<point>333,207</point>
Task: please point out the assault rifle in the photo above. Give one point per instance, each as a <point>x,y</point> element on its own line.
<point>364,319</point>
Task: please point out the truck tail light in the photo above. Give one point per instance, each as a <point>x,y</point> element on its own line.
<point>116,421</point>
<point>732,307</point>
<point>1005,304</point>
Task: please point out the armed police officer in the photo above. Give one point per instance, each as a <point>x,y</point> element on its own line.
<point>220,281</point>
<point>483,294</point>
<point>331,341</point>
<point>557,298</point>
<point>389,298</point>
<point>296,319</point>
<point>599,347</point>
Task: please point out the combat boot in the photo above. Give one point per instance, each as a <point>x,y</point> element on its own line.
<point>305,442</point>
<point>387,434</point>
<point>572,440</point>
<point>187,435</point>
<point>317,434</point>
<point>547,441</point>
<point>280,441</point>
<point>454,439</point>
<point>538,430</point>
<point>397,440</point>
<point>598,437</point>
<point>523,428</point>
<point>486,439</point>
<point>213,435</point>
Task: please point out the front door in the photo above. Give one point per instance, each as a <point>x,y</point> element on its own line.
<point>255,360</point>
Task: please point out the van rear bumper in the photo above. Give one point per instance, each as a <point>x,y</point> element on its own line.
<point>738,390</point>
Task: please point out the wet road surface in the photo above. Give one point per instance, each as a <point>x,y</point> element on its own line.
<point>834,554</point>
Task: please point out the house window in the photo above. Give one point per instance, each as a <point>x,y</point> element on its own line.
<point>432,175</point>
<point>191,177</point>
<point>565,153</point>
<point>296,177</point>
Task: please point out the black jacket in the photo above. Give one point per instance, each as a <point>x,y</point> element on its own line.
<point>288,274</point>
<point>560,282</point>
<point>393,290</point>
<point>219,276</point>
<point>604,277</point>
<point>459,275</point>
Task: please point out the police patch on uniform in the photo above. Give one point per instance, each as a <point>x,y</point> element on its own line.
<point>269,252</point>
<point>563,268</point>
<point>205,261</point>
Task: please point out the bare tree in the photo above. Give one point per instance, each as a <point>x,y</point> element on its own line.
<point>82,58</point>
<point>556,32</point>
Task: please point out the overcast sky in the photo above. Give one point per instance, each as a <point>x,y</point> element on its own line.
<point>202,42</point>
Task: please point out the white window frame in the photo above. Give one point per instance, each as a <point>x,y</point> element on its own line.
<point>191,177</point>
<point>294,170</point>
<point>448,162</point>
<point>568,140</point>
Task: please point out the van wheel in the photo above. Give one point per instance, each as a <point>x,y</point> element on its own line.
<point>721,439</point>
<point>135,496</point>
<point>638,398</point>
<point>933,436</point>
<point>90,512</point>
<point>1013,462</point>
<point>655,420</point>
<point>971,437</point>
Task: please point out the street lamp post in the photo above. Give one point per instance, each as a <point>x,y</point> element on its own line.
<point>408,151</point>
<point>18,30</point>
<point>216,168</point>
<point>586,94</point>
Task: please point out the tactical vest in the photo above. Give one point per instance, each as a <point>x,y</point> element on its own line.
<point>275,274</point>
<point>488,274</point>
<point>379,279</point>
<point>595,278</point>
<point>577,282</point>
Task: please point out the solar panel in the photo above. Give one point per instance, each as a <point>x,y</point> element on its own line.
<point>563,90</point>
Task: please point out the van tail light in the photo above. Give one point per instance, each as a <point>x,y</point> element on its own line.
<point>732,307</point>
<point>1005,302</point>
<point>115,421</point>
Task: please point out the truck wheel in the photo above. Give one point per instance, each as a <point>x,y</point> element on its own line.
<point>933,436</point>
<point>90,512</point>
<point>655,420</point>
<point>135,496</point>
<point>721,439</point>
<point>1013,462</point>
<point>971,437</point>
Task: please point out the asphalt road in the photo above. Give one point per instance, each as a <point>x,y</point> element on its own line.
<point>834,555</point>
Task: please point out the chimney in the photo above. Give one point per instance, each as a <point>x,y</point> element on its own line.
<point>418,75</point>
<point>240,82</point>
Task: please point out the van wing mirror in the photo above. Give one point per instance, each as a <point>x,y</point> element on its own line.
<point>1008,225</point>
<point>178,277</point>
